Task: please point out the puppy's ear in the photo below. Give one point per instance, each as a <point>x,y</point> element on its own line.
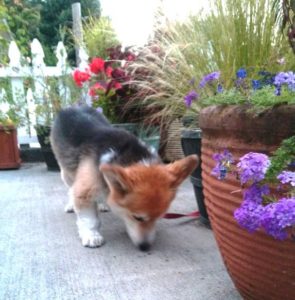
<point>116,178</point>
<point>182,168</point>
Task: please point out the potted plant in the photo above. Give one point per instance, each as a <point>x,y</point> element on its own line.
<point>107,82</point>
<point>254,116</point>
<point>9,151</point>
<point>58,93</point>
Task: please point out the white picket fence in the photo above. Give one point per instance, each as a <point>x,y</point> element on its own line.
<point>17,71</point>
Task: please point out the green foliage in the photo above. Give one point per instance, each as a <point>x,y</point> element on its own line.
<point>15,115</point>
<point>56,24</point>
<point>259,99</point>
<point>59,93</point>
<point>234,34</point>
<point>108,105</point>
<point>99,36</point>
<point>230,97</point>
<point>282,158</point>
<point>23,21</point>
<point>4,33</point>
<point>54,100</point>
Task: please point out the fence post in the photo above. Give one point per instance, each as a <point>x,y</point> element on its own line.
<point>61,55</point>
<point>17,82</point>
<point>77,29</point>
<point>14,71</point>
<point>38,72</point>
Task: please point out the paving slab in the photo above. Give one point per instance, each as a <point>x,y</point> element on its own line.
<point>41,256</point>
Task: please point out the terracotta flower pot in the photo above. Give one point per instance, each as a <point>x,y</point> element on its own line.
<point>260,266</point>
<point>9,152</point>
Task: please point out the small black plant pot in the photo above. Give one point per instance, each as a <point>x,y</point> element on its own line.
<point>43,133</point>
<point>191,144</point>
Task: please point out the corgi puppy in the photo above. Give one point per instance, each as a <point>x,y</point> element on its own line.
<point>100,161</point>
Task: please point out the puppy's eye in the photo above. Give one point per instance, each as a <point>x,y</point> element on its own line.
<point>138,218</point>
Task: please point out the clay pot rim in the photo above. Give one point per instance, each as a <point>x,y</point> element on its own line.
<point>278,120</point>
<point>7,127</point>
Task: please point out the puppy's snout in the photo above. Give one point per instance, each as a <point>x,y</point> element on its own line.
<point>144,246</point>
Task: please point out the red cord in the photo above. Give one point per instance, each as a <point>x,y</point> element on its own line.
<point>194,214</point>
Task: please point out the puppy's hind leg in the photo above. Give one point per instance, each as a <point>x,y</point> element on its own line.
<point>84,193</point>
<point>69,207</point>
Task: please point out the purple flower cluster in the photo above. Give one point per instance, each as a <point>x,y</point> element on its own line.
<point>274,218</point>
<point>253,166</point>
<point>284,78</point>
<point>241,73</point>
<point>278,216</point>
<point>255,193</point>
<point>253,213</point>
<point>209,78</point>
<point>248,215</point>
<point>224,161</point>
<point>193,95</point>
<point>287,177</point>
<point>256,84</point>
<point>190,97</point>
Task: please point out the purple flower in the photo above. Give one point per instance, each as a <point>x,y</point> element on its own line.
<point>219,88</point>
<point>248,215</point>
<point>278,216</point>
<point>256,84</point>
<point>209,78</point>
<point>224,161</point>
<point>285,78</point>
<point>255,193</point>
<point>220,171</point>
<point>190,97</point>
<point>241,73</point>
<point>253,166</point>
<point>287,177</point>
<point>281,78</point>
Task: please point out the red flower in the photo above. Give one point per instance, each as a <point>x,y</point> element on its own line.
<point>109,71</point>
<point>93,90</point>
<point>117,85</point>
<point>80,77</point>
<point>97,65</point>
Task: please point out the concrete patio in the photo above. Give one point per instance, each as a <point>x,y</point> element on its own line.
<point>41,256</point>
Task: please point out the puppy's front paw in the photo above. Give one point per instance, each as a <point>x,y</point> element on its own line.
<point>91,239</point>
<point>69,208</point>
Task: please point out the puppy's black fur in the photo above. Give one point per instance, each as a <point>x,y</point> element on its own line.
<point>82,131</point>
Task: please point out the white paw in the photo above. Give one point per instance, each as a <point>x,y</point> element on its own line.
<point>69,208</point>
<point>91,239</point>
<point>103,207</point>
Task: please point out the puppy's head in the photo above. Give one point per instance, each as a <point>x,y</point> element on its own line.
<point>141,194</point>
